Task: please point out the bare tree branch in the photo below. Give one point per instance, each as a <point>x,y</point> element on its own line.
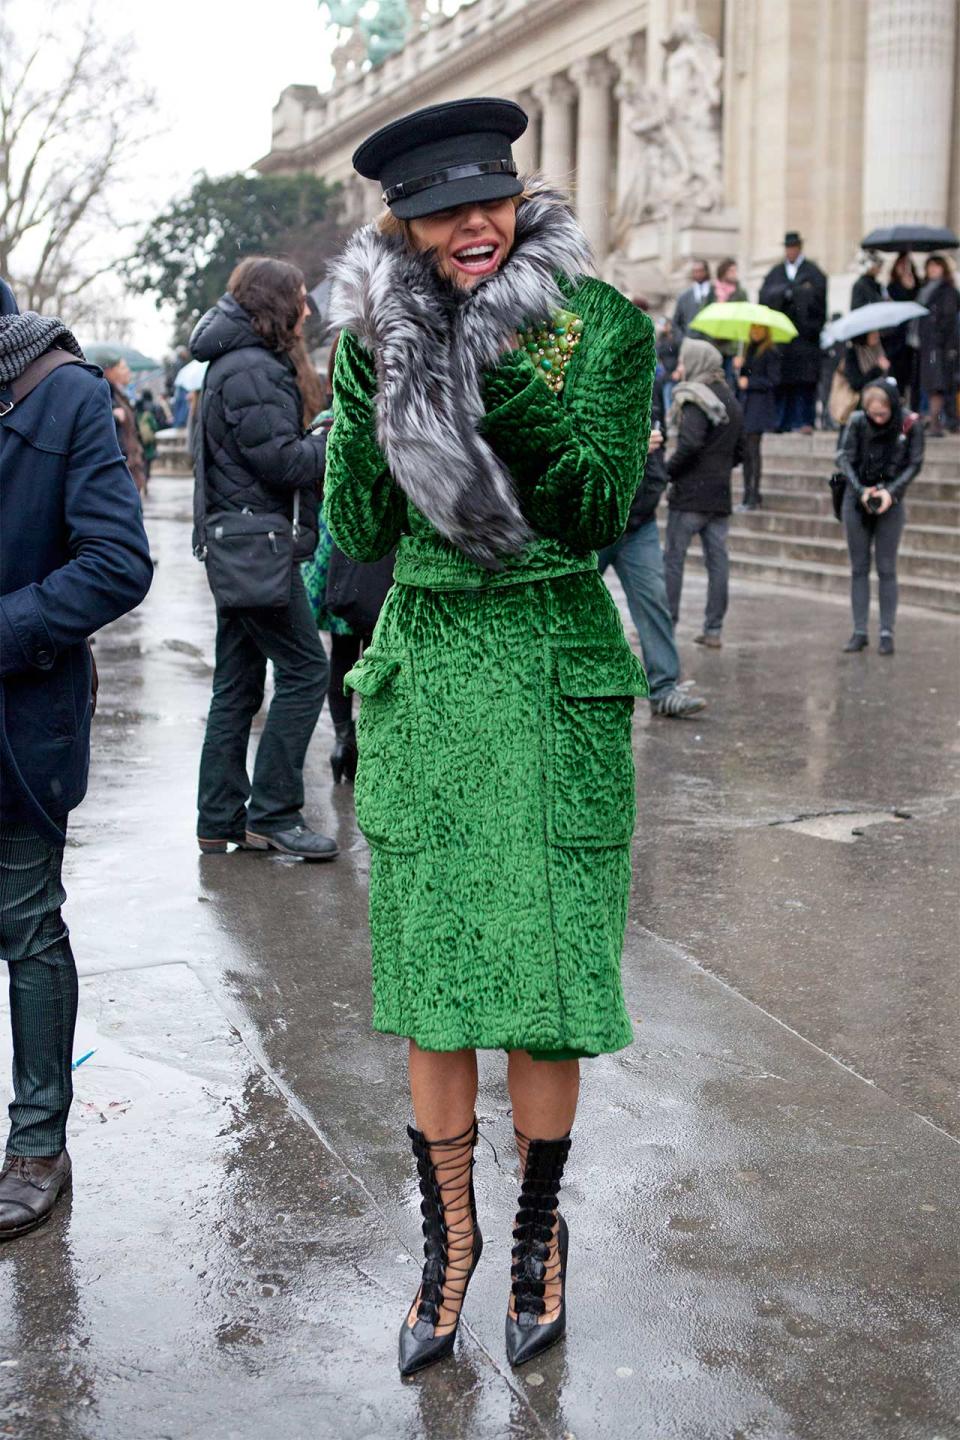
<point>71,117</point>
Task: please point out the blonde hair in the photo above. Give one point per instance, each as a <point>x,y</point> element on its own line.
<point>389,224</point>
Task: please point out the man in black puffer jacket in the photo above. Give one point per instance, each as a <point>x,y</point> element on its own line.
<point>638,561</point>
<point>258,458</point>
<point>709,445</point>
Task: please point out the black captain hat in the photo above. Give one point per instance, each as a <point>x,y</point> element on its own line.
<point>444,156</point>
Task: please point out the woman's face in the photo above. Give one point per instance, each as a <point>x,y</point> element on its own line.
<point>758,333</point>
<point>878,408</point>
<point>873,338</point>
<point>470,242</point>
<point>731,277</point>
<point>934,270</point>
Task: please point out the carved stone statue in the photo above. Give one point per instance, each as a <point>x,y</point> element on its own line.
<point>677,125</point>
<point>374,37</point>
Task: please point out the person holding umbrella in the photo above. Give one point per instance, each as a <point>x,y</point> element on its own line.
<point>757,386</point>
<point>863,358</point>
<point>939,343</point>
<point>880,452</point>
<point>902,344</point>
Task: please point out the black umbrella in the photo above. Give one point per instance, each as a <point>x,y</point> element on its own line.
<point>926,238</point>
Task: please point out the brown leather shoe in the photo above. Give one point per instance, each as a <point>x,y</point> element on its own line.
<point>712,642</point>
<point>30,1186</point>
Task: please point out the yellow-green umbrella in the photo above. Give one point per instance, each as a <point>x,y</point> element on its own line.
<point>732,320</point>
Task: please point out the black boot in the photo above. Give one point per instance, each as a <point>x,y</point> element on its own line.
<point>343,757</point>
<point>858,641</point>
<point>540,1252</point>
<point>449,1210</point>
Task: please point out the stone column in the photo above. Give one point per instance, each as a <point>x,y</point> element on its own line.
<point>628,57</point>
<point>555,97</point>
<point>594,79</point>
<point>908,112</point>
<point>525,149</point>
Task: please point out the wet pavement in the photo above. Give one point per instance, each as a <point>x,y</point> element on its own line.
<point>763,1192</point>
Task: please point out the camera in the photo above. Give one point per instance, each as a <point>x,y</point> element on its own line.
<point>873,503</point>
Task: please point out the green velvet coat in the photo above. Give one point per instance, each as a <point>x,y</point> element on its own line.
<point>496,782</point>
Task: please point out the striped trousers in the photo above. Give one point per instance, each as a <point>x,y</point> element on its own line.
<point>43,990</point>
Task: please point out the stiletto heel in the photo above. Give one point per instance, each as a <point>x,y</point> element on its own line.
<point>540,1252</point>
<point>445,1168</point>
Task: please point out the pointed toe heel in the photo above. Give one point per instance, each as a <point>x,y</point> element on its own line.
<point>525,1336</point>
<point>540,1252</point>
<point>449,1211</point>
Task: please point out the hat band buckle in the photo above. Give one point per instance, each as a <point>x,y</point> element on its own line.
<point>441,177</point>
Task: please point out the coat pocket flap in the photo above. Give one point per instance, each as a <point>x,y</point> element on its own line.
<point>599,671</point>
<point>371,674</point>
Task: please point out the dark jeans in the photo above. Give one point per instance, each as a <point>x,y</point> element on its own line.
<point>882,534</point>
<point>682,525</point>
<point>796,406</point>
<point>638,561</point>
<point>246,640</point>
<point>752,465</point>
<point>43,989</point>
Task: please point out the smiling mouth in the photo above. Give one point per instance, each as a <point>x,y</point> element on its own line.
<point>479,259</point>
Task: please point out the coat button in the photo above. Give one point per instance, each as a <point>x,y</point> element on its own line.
<point>43,658</point>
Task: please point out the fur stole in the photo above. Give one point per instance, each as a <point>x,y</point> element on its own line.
<point>431,342</point>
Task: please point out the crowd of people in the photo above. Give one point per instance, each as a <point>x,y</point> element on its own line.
<point>492,757</point>
<point>922,354</point>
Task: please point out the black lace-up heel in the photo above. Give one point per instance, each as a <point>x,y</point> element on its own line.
<point>449,1211</point>
<point>540,1252</point>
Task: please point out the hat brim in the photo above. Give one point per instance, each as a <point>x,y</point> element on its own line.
<point>473,189</point>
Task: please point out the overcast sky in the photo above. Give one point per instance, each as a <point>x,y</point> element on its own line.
<point>218,67</point>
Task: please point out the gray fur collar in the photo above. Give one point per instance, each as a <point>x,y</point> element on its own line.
<point>431,343</point>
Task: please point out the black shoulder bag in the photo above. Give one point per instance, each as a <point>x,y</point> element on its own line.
<point>248,556</point>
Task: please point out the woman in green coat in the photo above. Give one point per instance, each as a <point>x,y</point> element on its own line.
<point>491,417</point>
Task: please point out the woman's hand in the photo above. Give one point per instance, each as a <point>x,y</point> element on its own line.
<point>656,440</point>
<point>744,383</point>
<point>886,500</point>
<point>884,363</point>
<point>512,342</point>
<point>737,361</point>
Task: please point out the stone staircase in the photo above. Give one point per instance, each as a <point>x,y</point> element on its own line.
<point>172,457</point>
<point>795,540</point>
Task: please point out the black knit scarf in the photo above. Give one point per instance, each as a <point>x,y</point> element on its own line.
<point>24,338</point>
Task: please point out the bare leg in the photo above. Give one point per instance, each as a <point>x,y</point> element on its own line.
<point>544,1095</point>
<point>443,1086</point>
<point>936,411</point>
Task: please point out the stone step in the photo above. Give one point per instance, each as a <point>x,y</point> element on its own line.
<point>925,487</point>
<point>819,502</point>
<point>933,469</point>
<point>824,442</point>
<point>919,564</point>
<point>917,536</point>
<point>830,579</point>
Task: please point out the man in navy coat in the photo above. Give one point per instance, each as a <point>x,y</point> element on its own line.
<point>73,557</point>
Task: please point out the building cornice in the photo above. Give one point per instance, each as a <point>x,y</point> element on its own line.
<point>377,91</point>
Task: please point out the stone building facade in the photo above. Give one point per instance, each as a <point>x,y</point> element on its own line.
<point>681,127</point>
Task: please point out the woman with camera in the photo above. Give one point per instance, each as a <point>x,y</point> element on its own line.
<point>880,452</point>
